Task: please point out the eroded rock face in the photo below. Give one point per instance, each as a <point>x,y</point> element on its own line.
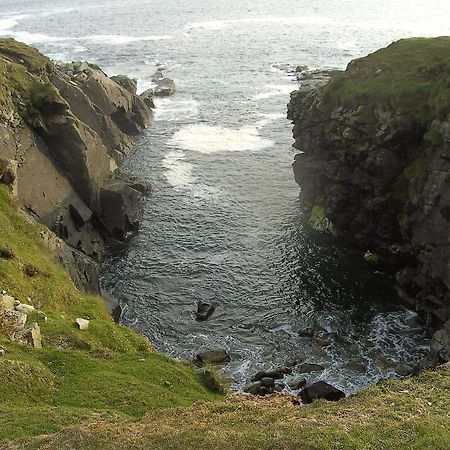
<point>64,130</point>
<point>377,168</point>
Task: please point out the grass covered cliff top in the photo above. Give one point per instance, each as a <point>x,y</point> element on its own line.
<point>410,75</point>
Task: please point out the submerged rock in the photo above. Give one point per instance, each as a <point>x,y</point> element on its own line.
<point>212,357</point>
<point>309,367</point>
<point>319,390</point>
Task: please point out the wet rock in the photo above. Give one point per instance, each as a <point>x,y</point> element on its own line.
<point>204,310</point>
<point>213,357</point>
<point>279,387</point>
<point>319,390</point>
<point>298,384</point>
<point>295,361</point>
<point>164,86</point>
<point>309,367</point>
<point>403,370</point>
<point>322,341</point>
<point>306,332</point>
<point>267,382</point>
<point>356,366</point>
<point>252,388</point>
<point>147,97</point>
<point>440,344</point>
<point>276,374</point>
<point>83,324</point>
<point>264,391</point>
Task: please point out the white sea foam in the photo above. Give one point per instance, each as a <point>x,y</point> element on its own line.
<point>212,139</point>
<point>6,24</point>
<point>273,90</point>
<point>35,38</point>
<point>178,172</point>
<point>269,118</point>
<point>117,39</point>
<point>173,110</point>
<point>143,85</point>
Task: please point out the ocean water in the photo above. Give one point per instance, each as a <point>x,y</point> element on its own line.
<point>225,221</point>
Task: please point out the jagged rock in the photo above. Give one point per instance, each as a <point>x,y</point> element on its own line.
<point>164,87</point>
<point>204,310</point>
<point>8,173</point>
<point>276,374</point>
<point>147,97</point>
<point>130,84</point>
<point>318,390</point>
<point>83,324</point>
<point>12,322</point>
<point>30,335</point>
<point>212,357</point>
<point>440,344</point>
<point>308,368</point>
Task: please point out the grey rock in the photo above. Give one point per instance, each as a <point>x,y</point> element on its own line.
<point>403,370</point>
<point>309,367</point>
<point>83,324</point>
<point>320,390</point>
<point>212,357</point>
<point>267,382</point>
<point>298,384</point>
<point>204,310</point>
<point>252,388</point>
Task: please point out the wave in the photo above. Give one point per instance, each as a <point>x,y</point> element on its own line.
<point>117,39</point>
<point>174,110</point>
<point>274,90</point>
<point>6,24</point>
<point>212,139</point>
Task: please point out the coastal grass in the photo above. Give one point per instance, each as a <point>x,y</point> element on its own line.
<point>410,75</point>
<point>107,369</point>
<point>409,414</point>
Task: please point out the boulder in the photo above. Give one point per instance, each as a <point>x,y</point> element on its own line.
<point>147,97</point>
<point>12,322</point>
<point>252,388</point>
<point>83,324</point>
<point>268,382</point>
<point>212,357</point>
<point>8,173</point>
<point>276,374</point>
<point>204,310</point>
<point>318,390</point>
<point>440,344</point>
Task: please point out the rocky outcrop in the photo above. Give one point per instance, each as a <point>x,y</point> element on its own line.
<point>374,167</point>
<point>64,129</point>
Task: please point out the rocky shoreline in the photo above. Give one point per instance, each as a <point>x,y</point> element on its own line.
<point>374,169</point>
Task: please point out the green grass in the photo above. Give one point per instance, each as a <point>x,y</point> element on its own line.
<point>411,75</point>
<point>409,414</point>
<point>107,369</point>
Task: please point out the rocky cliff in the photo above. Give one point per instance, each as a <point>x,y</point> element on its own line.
<point>374,167</point>
<point>64,129</point>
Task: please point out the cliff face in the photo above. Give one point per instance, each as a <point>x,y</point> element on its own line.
<point>375,166</point>
<point>63,131</point>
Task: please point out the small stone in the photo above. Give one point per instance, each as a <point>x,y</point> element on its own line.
<point>83,324</point>
<point>306,332</point>
<point>2,351</point>
<point>403,370</point>
<point>279,387</point>
<point>267,382</point>
<point>253,388</point>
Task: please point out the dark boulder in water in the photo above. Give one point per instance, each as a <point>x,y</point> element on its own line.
<point>321,389</point>
<point>204,310</point>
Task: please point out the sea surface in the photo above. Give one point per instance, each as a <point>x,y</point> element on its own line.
<point>225,221</point>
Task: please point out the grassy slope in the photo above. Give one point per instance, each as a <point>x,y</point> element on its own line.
<point>108,368</point>
<point>412,75</point>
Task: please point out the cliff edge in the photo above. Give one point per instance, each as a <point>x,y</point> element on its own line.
<point>374,167</point>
